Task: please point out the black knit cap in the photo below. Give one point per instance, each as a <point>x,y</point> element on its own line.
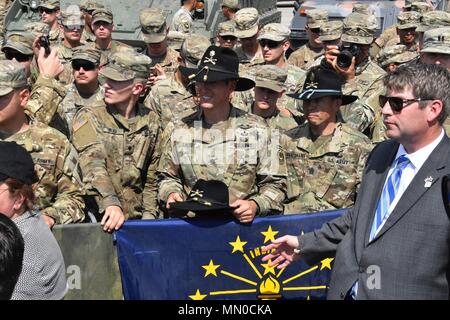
<point>16,162</point>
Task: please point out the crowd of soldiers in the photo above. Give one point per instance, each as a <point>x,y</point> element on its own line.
<point>119,133</point>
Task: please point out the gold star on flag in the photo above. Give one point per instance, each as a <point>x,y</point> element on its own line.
<point>198,296</point>
<point>269,235</point>
<point>268,269</point>
<point>238,245</point>
<point>326,263</point>
<point>211,268</point>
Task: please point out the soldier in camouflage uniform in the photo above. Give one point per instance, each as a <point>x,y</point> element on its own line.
<point>50,13</point>
<point>389,59</point>
<point>103,25</point>
<point>325,158</point>
<point>170,98</point>
<point>363,77</point>
<point>182,20</point>
<point>388,33</point>
<point>407,22</point>
<point>58,195</point>
<point>221,142</point>
<point>432,20</point>
<point>175,39</point>
<point>436,47</point>
<point>72,23</point>
<point>84,91</point>
<point>247,27</point>
<point>88,7</point>
<point>154,34</point>
<point>305,56</point>
<point>226,34</point>
<point>117,144</point>
<point>269,88</point>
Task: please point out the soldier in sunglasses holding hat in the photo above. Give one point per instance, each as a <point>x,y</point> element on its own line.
<point>221,142</point>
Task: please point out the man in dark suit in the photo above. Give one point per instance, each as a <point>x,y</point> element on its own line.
<point>394,243</point>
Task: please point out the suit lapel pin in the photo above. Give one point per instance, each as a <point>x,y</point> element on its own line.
<point>428,182</point>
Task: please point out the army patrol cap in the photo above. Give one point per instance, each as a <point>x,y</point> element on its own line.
<point>408,20</point>
<point>102,14</point>
<point>72,16</point>
<point>233,4</point>
<point>90,5</point>
<point>12,76</point>
<point>316,17</point>
<point>16,163</point>
<point>397,54</point>
<point>421,7</point>
<point>153,25</point>
<point>270,77</point>
<point>408,3</point>
<point>193,49</point>
<point>433,19</point>
<point>247,22</point>
<point>331,30</point>
<point>49,4</point>
<point>275,32</point>
<point>358,28</point>
<point>227,28</point>
<point>37,27</point>
<point>127,65</point>
<point>175,39</point>
<point>437,41</point>
<point>87,53</point>
<point>21,42</point>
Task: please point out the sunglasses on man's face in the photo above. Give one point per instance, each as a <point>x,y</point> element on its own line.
<point>46,10</point>
<point>86,65</point>
<point>269,43</point>
<point>228,38</point>
<point>397,103</point>
<point>315,30</point>
<point>20,57</point>
<point>73,27</point>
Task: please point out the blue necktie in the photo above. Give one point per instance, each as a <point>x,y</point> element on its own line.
<point>387,196</point>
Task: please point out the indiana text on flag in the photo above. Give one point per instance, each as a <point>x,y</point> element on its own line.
<point>217,259</point>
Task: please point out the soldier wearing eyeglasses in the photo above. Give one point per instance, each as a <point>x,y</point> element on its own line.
<point>305,56</point>
<point>49,10</point>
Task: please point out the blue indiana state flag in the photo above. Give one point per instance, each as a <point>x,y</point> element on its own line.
<point>217,259</point>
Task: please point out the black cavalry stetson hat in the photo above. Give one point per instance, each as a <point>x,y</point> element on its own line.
<point>206,196</point>
<point>16,162</point>
<point>322,82</point>
<point>218,64</point>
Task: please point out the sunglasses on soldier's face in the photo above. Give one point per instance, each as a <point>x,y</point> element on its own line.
<point>46,10</point>
<point>20,57</point>
<point>315,30</point>
<point>397,103</point>
<point>269,43</point>
<point>86,65</point>
<point>228,38</point>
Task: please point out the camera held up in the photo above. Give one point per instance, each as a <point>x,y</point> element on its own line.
<point>347,52</point>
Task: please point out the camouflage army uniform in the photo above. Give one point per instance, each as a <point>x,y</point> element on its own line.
<point>182,21</point>
<point>323,174</point>
<point>433,19</point>
<point>58,195</point>
<point>65,56</point>
<point>89,5</point>
<point>305,56</point>
<point>118,156</point>
<point>189,156</point>
<point>106,15</point>
<point>169,99</point>
<point>154,30</point>
<point>4,7</point>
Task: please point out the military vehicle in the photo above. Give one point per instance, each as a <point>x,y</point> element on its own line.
<point>385,11</point>
<point>208,15</point>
